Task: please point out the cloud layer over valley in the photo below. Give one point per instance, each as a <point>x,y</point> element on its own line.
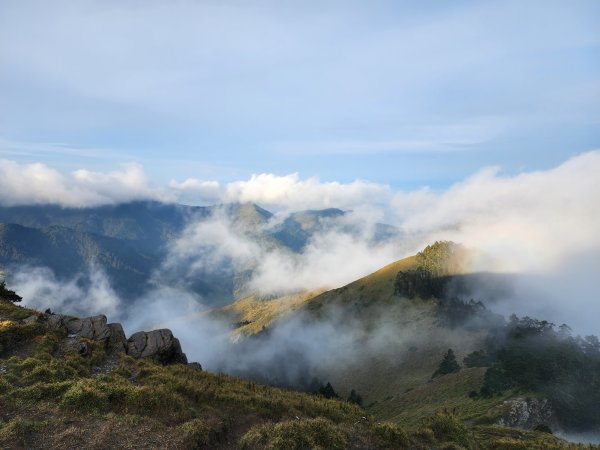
<point>532,219</point>
<point>543,225</point>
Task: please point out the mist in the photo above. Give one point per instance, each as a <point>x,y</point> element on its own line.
<point>548,257</point>
<point>341,250</point>
<point>86,293</point>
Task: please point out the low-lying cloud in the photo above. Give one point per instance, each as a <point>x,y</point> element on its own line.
<point>87,293</point>
<point>530,220</point>
<point>38,183</point>
<point>538,224</point>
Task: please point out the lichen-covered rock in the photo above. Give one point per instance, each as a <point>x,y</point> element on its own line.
<point>95,327</point>
<point>30,319</point>
<point>195,366</point>
<point>527,413</point>
<point>56,322</point>
<point>160,345</point>
<point>117,340</point>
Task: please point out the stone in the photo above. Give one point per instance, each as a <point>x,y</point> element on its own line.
<point>94,328</point>
<point>30,319</point>
<point>527,413</point>
<point>83,349</point>
<point>117,340</point>
<point>195,366</point>
<point>160,345</point>
<point>55,322</point>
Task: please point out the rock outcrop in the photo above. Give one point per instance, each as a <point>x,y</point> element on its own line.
<point>158,344</point>
<point>528,413</point>
<point>95,327</point>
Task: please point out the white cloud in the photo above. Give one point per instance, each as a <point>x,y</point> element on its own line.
<point>38,183</point>
<point>87,293</point>
<point>195,191</point>
<point>292,193</point>
<point>530,220</point>
<point>543,224</point>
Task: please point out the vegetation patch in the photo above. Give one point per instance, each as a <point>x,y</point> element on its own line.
<point>317,434</point>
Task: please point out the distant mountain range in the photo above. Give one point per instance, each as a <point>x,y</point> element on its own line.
<point>130,241</point>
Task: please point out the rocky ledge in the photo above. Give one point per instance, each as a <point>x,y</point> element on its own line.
<point>528,413</point>
<point>159,345</point>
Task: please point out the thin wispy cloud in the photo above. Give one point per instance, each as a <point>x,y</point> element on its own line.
<point>38,150</point>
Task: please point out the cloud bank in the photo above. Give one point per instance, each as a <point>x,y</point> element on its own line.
<point>530,220</point>
<point>87,293</point>
<point>38,183</point>
<point>533,219</point>
<point>543,223</point>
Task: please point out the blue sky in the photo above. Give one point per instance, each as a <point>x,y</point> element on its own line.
<point>406,94</point>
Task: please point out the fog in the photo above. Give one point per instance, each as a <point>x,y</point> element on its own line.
<point>87,293</point>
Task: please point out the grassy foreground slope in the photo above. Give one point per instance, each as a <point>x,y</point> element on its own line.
<point>52,396</point>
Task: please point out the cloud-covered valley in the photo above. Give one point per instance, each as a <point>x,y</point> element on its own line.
<point>544,224</point>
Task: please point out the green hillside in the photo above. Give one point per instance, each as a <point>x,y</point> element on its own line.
<point>391,378</point>
<point>53,395</point>
<point>399,322</point>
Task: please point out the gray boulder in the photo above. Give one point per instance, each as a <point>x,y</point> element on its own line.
<point>117,340</point>
<point>195,366</point>
<point>160,345</point>
<point>95,327</point>
<point>527,413</point>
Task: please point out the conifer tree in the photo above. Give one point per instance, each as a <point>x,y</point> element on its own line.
<point>448,365</point>
<point>327,391</point>
<point>7,294</point>
<point>355,398</point>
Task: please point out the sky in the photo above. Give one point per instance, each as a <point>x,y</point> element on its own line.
<point>398,94</point>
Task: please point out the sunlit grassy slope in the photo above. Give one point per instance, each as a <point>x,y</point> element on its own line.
<point>251,314</point>
<point>395,380</point>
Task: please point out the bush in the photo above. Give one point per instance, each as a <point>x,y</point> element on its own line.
<point>43,391</point>
<point>19,428</point>
<point>327,391</point>
<point>478,358</point>
<point>543,428</point>
<point>86,395</point>
<point>389,435</point>
<point>316,434</point>
<point>447,428</point>
<point>12,334</point>
<point>194,434</point>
